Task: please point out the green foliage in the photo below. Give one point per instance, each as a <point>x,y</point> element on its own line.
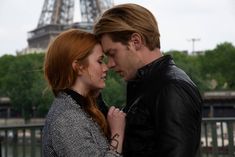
<point>219,67</point>
<point>22,80</point>
<point>114,93</point>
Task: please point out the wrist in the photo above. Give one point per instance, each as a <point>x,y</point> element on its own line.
<point>116,143</point>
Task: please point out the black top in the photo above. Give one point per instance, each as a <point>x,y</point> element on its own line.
<point>81,100</point>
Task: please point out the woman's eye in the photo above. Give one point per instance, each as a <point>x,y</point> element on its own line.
<point>100,61</point>
<point>103,60</point>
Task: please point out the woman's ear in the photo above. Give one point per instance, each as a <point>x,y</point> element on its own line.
<point>76,67</point>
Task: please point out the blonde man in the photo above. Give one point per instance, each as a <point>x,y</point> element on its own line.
<point>163,105</point>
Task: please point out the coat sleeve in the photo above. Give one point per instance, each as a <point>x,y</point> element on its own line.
<point>72,136</point>
<point>179,121</point>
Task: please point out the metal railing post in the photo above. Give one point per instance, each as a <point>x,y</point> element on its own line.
<point>214,139</point>
<point>0,146</point>
<point>33,142</point>
<point>230,139</point>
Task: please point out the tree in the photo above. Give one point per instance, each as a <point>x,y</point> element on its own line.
<point>5,62</point>
<point>24,84</point>
<point>217,66</point>
<point>191,66</point>
<point>114,92</point>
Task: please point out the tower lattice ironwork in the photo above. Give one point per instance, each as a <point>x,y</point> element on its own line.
<point>90,9</point>
<point>58,15</point>
<point>56,12</point>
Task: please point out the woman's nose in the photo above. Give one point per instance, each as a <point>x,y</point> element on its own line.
<point>105,68</point>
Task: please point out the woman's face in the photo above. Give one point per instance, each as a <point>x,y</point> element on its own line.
<point>94,75</point>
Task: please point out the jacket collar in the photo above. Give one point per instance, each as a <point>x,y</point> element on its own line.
<point>155,66</point>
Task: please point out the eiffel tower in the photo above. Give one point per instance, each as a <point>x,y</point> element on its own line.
<point>58,15</point>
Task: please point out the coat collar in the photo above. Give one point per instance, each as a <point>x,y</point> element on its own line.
<point>155,66</point>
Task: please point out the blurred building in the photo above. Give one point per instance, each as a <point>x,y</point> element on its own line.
<point>57,16</point>
<point>219,104</point>
<point>5,107</point>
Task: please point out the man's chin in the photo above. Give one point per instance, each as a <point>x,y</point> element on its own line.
<point>122,76</point>
<point>125,78</point>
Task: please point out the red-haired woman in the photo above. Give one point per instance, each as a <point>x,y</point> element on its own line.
<point>74,125</point>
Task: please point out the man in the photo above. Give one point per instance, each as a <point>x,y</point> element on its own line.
<point>163,105</point>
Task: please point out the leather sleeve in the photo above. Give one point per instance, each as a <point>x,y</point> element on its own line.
<point>179,121</point>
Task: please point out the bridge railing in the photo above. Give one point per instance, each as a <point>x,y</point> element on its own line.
<point>217,139</point>
<point>21,141</point>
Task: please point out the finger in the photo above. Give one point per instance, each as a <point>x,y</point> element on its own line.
<point>116,110</point>
<point>111,110</point>
<point>123,113</point>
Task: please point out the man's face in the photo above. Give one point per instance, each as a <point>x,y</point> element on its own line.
<point>121,58</point>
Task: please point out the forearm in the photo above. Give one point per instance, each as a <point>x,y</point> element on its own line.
<point>116,142</point>
<point>116,120</point>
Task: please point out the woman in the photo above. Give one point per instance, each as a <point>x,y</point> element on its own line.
<point>74,125</point>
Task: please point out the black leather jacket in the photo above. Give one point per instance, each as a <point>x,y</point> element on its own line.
<point>163,112</point>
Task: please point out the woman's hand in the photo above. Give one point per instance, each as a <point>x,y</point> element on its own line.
<point>116,120</point>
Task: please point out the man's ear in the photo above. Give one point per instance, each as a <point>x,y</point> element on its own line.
<point>77,67</point>
<point>136,41</point>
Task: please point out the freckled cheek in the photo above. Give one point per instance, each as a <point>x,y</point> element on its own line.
<point>98,72</point>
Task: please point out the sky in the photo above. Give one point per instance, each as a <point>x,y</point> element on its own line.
<point>212,22</point>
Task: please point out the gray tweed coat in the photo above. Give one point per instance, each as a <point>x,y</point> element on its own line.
<point>70,132</point>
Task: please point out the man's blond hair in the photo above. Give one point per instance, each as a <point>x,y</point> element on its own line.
<point>121,21</point>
